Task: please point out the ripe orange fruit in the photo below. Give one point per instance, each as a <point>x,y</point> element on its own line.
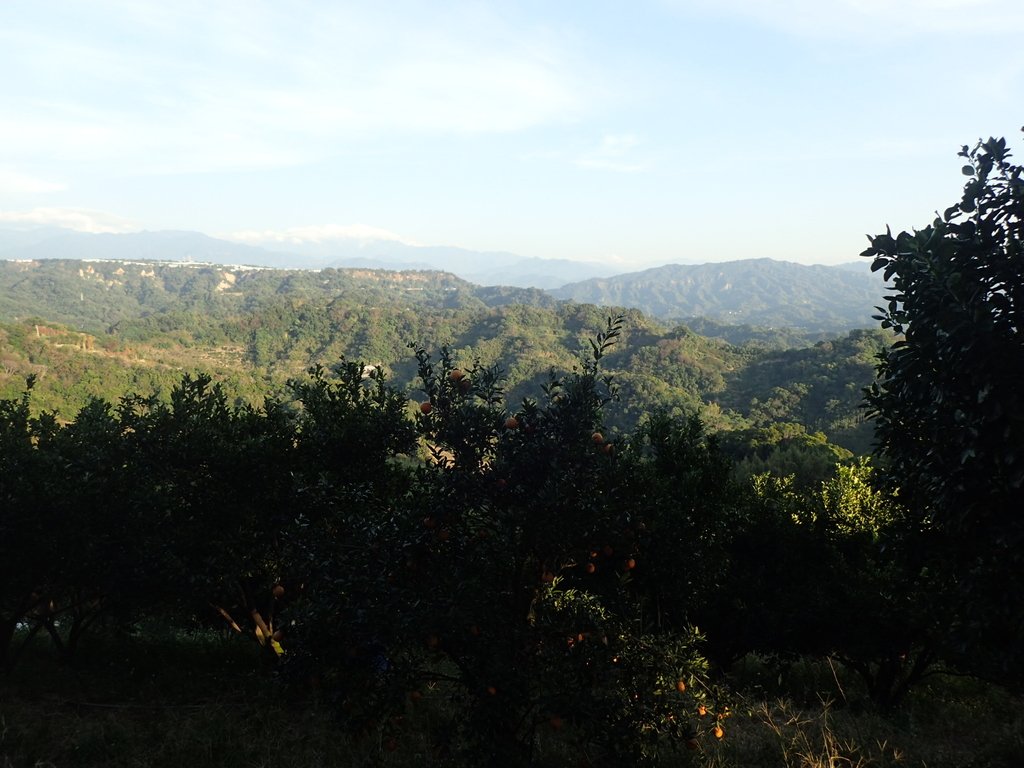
<point>456,375</point>
<point>492,690</point>
<point>719,733</point>
<point>591,568</point>
<point>608,448</point>
<point>511,422</point>
<point>426,407</point>
<point>680,685</point>
<point>464,385</point>
<point>598,438</point>
<point>702,710</point>
<point>630,565</point>
<point>547,577</point>
<point>278,591</point>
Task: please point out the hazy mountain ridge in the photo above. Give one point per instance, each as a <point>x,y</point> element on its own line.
<point>756,292</point>
<point>103,329</point>
<point>760,292</point>
<point>96,295</point>
<point>167,245</point>
<point>486,268</point>
<point>258,326</point>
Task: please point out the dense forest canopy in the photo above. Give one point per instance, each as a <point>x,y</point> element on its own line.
<point>949,401</point>
<point>761,292</point>
<point>567,529</point>
<point>108,328</point>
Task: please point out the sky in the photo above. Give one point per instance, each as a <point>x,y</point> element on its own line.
<point>633,133</point>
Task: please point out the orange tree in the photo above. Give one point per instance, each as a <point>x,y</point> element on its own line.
<point>894,643</point>
<point>69,545</point>
<point>347,521</point>
<point>846,548</point>
<point>505,582</point>
<point>948,405</point>
<point>25,563</point>
<point>149,508</point>
<point>184,510</point>
<point>795,553</point>
<point>208,490</point>
<point>687,512</point>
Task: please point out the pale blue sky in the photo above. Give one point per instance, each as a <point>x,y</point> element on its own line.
<point>634,132</point>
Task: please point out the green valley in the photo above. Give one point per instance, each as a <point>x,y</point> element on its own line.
<point>103,329</point>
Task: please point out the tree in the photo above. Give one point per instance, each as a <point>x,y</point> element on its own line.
<point>23,522</point>
<point>948,404</point>
<point>892,645</point>
<point>509,578</point>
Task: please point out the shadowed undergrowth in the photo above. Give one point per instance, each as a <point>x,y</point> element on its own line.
<point>209,700</point>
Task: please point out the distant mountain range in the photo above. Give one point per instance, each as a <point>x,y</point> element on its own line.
<point>479,267</point>
<point>55,243</point>
<point>755,292</point>
<point>759,292</point>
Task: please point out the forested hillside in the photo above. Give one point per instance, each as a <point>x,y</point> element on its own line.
<point>756,292</point>
<point>106,328</point>
<point>96,295</point>
<point>336,250</point>
<point>535,537</point>
<point>759,292</point>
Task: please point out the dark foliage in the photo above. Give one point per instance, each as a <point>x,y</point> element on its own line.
<point>949,403</point>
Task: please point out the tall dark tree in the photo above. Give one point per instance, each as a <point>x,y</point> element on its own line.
<point>949,401</point>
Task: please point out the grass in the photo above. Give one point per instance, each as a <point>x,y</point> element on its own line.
<point>819,718</point>
<point>200,701</point>
<point>209,700</point>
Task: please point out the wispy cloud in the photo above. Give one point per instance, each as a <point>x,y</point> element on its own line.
<point>613,154</point>
<point>14,183</point>
<point>259,86</point>
<point>80,219</point>
<point>318,234</point>
<point>868,20</point>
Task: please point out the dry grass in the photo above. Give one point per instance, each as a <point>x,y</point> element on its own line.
<point>952,723</point>
<point>205,702</point>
